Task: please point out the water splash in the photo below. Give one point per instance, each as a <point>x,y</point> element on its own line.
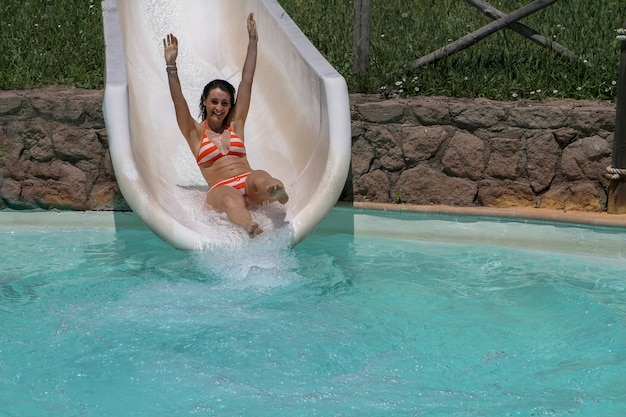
<point>244,263</point>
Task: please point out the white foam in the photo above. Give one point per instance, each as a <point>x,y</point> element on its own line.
<point>261,263</point>
<point>264,261</point>
<point>270,217</point>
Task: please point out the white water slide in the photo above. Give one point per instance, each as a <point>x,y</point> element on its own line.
<point>298,128</point>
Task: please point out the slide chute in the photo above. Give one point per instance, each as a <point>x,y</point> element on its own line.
<point>298,127</point>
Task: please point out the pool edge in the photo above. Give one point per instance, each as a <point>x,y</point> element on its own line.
<point>42,219</point>
<point>562,216</point>
<point>127,219</point>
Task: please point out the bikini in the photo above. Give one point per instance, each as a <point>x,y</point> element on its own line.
<point>238,182</point>
<point>210,153</point>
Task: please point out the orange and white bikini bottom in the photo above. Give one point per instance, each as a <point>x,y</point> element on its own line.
<point>238,182</point>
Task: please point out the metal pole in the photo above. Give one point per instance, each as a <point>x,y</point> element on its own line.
<point>616,203</point>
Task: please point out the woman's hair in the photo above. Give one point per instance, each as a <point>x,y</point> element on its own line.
<point>222,85</point>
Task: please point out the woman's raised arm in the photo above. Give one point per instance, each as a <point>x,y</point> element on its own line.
<point>186,123</point>
<point>247,76</point>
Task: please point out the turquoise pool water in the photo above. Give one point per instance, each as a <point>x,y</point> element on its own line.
<point>351,322</point>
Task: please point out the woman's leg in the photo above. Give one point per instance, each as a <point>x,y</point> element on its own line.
<point>262,187</point>
<point>228,200</point>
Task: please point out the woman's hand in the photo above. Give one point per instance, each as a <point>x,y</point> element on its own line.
<point>252,33</point>
<point>170,49</point>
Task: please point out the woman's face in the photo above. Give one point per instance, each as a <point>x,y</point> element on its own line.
<point>218,104</point>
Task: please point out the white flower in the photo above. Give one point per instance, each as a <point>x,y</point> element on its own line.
<point>555,91</point>
<point>398,83</point>
<point>579,88</point>
<point>514,95</point>
<point>614,82</point>
<point>405,15</point>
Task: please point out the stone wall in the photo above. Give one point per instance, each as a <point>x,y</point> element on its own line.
<point>54,152</point>
<point>435,150</point>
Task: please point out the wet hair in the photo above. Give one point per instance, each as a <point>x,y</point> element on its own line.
<point>222,85</point>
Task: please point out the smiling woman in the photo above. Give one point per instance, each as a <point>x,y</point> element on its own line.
<point>217,142</point>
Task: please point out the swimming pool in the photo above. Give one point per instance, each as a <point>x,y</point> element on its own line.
<point>377,314</point>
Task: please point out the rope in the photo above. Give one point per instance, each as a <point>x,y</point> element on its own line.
<point>615,173</point>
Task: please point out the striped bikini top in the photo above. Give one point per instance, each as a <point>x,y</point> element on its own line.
<point>209,152</point>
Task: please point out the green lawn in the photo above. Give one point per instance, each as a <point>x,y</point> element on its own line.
<point>51,42</point>
<point>54,42</point>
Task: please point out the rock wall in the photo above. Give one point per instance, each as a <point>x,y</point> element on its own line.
<point>435,150</point>
<point>54,152</point>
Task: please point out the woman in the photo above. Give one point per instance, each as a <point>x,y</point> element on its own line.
<point>218,142</point>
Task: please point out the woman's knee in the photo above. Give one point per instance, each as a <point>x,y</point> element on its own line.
<point>255,179</point>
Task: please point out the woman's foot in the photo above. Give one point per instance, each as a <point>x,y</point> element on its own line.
<point>278,193</point>
<point>253,229</point>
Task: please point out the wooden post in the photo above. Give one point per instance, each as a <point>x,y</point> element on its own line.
<point>361,36</point>
<point>477,35</point>
<point>617,189</point>
<point>524,30</point>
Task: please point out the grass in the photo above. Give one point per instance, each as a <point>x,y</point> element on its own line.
<point>504,66</point>
<point>53,42</point>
